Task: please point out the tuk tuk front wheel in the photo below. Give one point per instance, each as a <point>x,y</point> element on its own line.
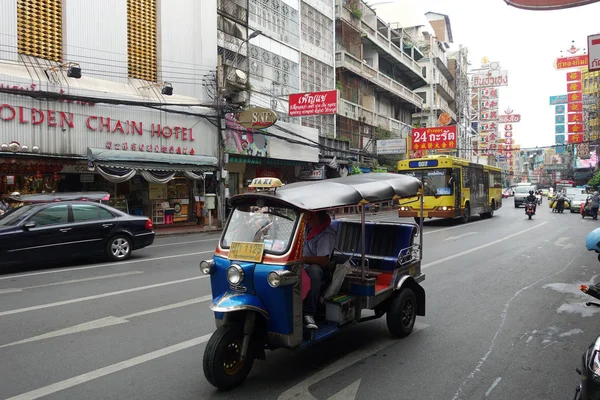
<point>223,367</point>
<point>402,313</point>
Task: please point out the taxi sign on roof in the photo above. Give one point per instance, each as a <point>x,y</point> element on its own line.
<point>265,183</point>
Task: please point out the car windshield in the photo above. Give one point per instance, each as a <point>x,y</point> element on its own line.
<point>15,216</point>
<point>273,226</point>
<point>580,197</point>
<point>523,189</point>
<point>437,181</point>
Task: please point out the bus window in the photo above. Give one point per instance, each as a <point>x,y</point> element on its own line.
<point>466,174</point>
<point>437,182</point>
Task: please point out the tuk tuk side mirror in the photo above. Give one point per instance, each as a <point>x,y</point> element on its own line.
<point>29,225</point>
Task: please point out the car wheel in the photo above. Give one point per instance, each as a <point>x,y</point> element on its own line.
<point>118,248</point>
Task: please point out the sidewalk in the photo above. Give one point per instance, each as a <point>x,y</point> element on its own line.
<point>185,228</point>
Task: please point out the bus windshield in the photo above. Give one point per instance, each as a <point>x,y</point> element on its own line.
<point>437,181</point>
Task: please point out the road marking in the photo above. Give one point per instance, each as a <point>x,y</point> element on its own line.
<point>106,322</point>
<point>98,296</point>
<point>496,382</point>
<point>55,271</point>
<point>216,238</point>
<point>562,239</point>
<point>460,236</point>
<point>93,278</point>
<point>99,373</point>
<point>348,393</point>
<point>469,224</point>
<point>300,391</point>
<point>483,246</point>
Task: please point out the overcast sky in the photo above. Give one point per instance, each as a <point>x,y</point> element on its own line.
<point>526,43</point>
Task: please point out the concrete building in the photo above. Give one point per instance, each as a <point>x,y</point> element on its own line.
<point>106,95</point>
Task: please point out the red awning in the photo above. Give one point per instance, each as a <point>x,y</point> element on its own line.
<point>542,5</point>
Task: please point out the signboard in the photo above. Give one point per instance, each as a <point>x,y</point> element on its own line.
<point>434,138</point>
<point>555,167</point>
<point>559,139</point>
<point>573,76</point>
<point>575,117</point>
<point>313,103</point>
<point>545,5</point>
<point>391,146</point>
<point>510,118</point>
<point>561,99</point>
<point>574,97</point>
<point>575,107</point>
<point>571,62</point>
<point>421,164</point>
<point>559,109</point>
<point>559,119</point>
<point>246,251</point>
<point>488,93</point>
<point>575,128</point>
<point>312,174</point>
<point>257,118</point>
<point>574,87</point>
<point>594,53</point>
<point>559,129</point>
<point>491,78</point>
<point>575,138</point>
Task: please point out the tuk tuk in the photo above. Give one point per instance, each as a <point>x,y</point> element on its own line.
<point>256,272</point>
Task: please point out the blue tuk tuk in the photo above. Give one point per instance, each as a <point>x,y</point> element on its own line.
<point>256,271</point>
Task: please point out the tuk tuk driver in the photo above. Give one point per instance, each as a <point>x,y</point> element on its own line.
<point>318,247</point>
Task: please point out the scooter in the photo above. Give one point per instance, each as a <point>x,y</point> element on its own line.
<point>539,199</point>
<point>530,209</point>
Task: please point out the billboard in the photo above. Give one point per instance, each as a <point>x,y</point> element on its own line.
<point>561,99</point>
<point>313,103</point>
<point>391,146</point>
<point>571,62</point>
<point>490,78</point>
<point>435,138</point>
<point>594,53</point>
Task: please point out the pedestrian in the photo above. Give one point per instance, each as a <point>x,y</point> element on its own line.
<point>595,203</point>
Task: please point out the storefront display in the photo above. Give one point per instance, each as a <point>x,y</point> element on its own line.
<point>27,177</point>
<point>179,198</point>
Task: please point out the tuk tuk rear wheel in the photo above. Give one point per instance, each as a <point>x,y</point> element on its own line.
<point>402,313</point>
<point>222,366</point>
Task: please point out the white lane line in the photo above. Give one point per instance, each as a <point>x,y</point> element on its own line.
<point>93,278</point>
<point>301,390</point>
<point>468,224</point>
<point>483,246</point>
<point>106,322</point>
<point>216,239</point>
<point>99,373</point>
<point>496,382</point>
<point>117,264</point>
<point>98,296</point>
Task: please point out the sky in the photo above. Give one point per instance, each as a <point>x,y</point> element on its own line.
<point>525,43</point>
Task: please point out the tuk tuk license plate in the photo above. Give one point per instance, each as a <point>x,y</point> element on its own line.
<point>246,251</point>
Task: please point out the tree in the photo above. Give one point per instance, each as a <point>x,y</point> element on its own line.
<point>595,181</point>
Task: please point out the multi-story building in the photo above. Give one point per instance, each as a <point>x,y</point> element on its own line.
<point>376,73</point>
<point>458,63</point>
<point>108,100</point>
<point>591,90</point>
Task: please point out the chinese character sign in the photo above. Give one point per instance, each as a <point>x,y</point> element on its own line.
<point>436,138</point>
<point>575,128</point>
<point>574,76</point>
<point>574,87</point>
<point>574,97</point>
<point>560,109</point>
<point>575,138</point>
<point>575,107</point>
<point>575,117</point>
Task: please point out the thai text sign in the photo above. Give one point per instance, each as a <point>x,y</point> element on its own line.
<point>491,78</point>
<point>443,137</point>
<point>562,99</point>
<point>509,118</point>
<point>572,62</point>
<point>594,53</point>
<point>313,103</point>
<point>391,146</point>
<point>573,76</point>
<point>576,138</point>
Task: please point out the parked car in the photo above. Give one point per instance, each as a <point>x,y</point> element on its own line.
<point>54,231</point>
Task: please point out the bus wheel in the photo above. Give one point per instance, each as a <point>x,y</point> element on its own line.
<point>466,214</point>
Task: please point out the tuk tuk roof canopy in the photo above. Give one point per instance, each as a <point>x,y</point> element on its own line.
<point>338,192</point>
<point>51,197</point>
<point>544,5</point>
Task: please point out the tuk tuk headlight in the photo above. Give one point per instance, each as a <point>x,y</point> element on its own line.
<point>235,274</point>
<point>207,266</point>
<point>281,277</point>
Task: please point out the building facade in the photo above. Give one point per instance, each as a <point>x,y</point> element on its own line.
<point>92,99</point>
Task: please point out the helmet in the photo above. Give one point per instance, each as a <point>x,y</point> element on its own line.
<point>531,192</point>
<point>592,241</point>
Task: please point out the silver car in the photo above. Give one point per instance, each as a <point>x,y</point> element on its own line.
<point>521,193</point>
<point>577,201</point>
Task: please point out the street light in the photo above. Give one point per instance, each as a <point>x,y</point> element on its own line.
<point>237,53</point>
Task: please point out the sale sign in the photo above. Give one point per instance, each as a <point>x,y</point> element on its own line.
<point>575,128</point>
<point>576,138</point>
<point>576,117</point>
<point>575,107</point>
<point>574,87</point>
<point>435,138</point>
<point>573,76</point>
<point>313,103</point>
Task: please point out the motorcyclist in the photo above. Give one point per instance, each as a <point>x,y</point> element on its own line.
<point>532,199</point>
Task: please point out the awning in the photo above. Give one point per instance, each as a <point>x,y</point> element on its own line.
<point>120,166</point>
<point>151,161</point>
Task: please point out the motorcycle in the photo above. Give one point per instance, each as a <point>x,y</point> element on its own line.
<point>589,373</point>
<point>530,209</point>
<point>539,199</point>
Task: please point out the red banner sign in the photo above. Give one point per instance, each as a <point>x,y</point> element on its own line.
<point>313,103</point>
<point>442,137</point>
<point>576,138</point>
<point>574,87</point>
<point>511,118</point>
<point>573,76</point>
<point>575,128</point>
<point>541,5</point>
<point>572,62</point>
<point>575,107</point>
<point>577,117</point>
<point>574,97</point>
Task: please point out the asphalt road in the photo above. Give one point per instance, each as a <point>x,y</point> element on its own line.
<point>505,320</point>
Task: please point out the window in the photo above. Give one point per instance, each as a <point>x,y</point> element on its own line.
<point>89,212</point>
<point>141,39</point>
<point>51,216</point>
<point>39,28</point>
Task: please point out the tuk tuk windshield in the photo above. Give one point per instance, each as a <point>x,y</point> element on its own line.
<point>273,226</point>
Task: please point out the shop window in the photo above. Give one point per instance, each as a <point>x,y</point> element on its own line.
<point>141,39</point>
<point>51,216</point>
<point>85,212</point>
<point>39,28</point>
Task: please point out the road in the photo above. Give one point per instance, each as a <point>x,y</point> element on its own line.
<point>505,320</point>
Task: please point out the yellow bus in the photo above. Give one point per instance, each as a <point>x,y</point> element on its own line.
<point>454,188</point>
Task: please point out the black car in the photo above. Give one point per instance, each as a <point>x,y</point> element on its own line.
<point>54,231</point>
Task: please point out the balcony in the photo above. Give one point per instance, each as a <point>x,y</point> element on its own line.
<point>354,111</point>
<point>345,60</point>
<point>441,106</point>
<point>342,145</point>
<point>232,10</point>
<point>443,88</point>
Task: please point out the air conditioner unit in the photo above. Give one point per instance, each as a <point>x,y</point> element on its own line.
<point>240,98</point>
